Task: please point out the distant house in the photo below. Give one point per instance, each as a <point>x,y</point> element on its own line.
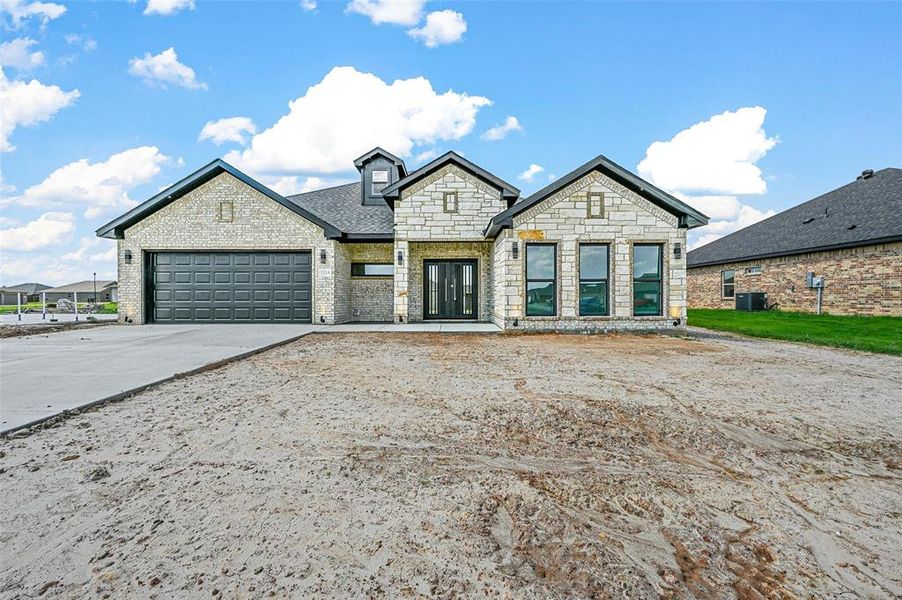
<point>107,291</point>
<point>31,292</point>
<point>10,296</point>
<point>851,237</point>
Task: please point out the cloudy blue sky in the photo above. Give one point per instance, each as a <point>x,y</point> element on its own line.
<point>742,109</point>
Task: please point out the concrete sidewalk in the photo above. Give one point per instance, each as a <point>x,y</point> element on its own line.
<point>44,375</point>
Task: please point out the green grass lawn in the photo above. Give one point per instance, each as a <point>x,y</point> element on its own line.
<point>872,334</point>
<point>7,309</point>
<point>107,308</point>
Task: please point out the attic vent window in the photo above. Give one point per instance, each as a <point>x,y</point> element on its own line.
<point>595,208</point>
<point>450,202</point>
<point>808,220</point>
<point>226,211</point>
<point>380,180</point>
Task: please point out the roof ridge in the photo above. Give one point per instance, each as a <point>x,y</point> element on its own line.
<point>331,187</point>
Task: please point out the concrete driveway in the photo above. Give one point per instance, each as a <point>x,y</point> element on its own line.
<point>43,375</point>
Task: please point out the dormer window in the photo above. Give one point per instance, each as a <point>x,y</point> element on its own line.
<point>380,180</point>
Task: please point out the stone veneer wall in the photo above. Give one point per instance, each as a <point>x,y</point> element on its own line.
<point>258,223</point>
<point>423,229</point>
<point>480,251</point>
<point>858,281</point>
<point>371,297</point>
<point>420,213</point>
<point>562,219</point>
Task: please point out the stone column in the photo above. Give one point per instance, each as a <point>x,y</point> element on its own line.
<point>401,280</point>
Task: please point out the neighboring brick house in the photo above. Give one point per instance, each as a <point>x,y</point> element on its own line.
<point>851,237</point>
<point>597,249</point>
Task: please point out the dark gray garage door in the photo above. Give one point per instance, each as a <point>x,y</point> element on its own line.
<point>249,287</point>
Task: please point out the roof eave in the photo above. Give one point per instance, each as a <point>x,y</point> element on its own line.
<point>392,192</point>
<point>796,252</point>
<point>115,228</point>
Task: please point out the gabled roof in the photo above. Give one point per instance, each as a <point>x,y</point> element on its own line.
<point>27,288</point>
<point>114,229</point>
<point>864,212</point>
<point>377,151</point>
<point>689,217</point>
<point>81,287</point>
<point>508,192</point>
<point>340,206</point>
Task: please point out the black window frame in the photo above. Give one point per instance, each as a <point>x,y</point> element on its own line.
<point>659,279</point>
<point>724,284</point>
<point>580,280</point>
<point>527,280</point>
<point>357,266</point>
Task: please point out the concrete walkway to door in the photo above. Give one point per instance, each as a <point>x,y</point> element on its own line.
<point>43,375</point>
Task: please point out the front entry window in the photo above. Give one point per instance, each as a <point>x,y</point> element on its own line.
<point>541,278</point>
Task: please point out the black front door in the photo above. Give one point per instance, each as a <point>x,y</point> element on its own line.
<point>450,289</point>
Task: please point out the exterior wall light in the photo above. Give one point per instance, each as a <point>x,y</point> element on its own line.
<point>128,257</point>
<point>400,258</point>
<point>677,250</point>
<point>322,256</point>
<point>515,250</point>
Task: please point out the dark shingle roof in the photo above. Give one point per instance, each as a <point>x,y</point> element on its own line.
<point>863,212</point>
<point>340,207</point>
<point>28,288</point>
<point>689,217</point>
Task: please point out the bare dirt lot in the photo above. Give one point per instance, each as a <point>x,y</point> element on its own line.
<point>391,465</point>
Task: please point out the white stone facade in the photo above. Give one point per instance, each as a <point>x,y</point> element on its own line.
<point>562,219</point>
<point>193,223</point>
<point>425,229</point>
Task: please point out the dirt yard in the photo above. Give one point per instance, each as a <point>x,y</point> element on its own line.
<point>391,465</point>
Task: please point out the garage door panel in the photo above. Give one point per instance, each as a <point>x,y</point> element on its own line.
<point>231,286</point>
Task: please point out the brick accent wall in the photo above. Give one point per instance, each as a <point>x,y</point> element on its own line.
<point>564,219</point>
<point>258,223</point>
<point>371,297</point>
<point>858,281</point>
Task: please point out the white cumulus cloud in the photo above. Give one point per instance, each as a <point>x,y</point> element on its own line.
<point>167,7</point>
<point>715,156</point>
<point>164,68</point>
<point>308,5</point>
<point>396,12</point>
<point>499,132</point>
<point>325,130</point>
<point>100,187</point>
<point>231,129</point>
<point>441,27</point>
<point>18,55</point>
<point>26,104</point>
<point>530,173</point>
<point>21,10</point>
<point>710,165</point>
<point>49,229</point>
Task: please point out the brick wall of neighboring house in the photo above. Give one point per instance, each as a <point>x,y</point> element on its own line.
<point>371,297</point>
<point>858,281</point>
<point>258,223</point>
<point>563,219</point>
